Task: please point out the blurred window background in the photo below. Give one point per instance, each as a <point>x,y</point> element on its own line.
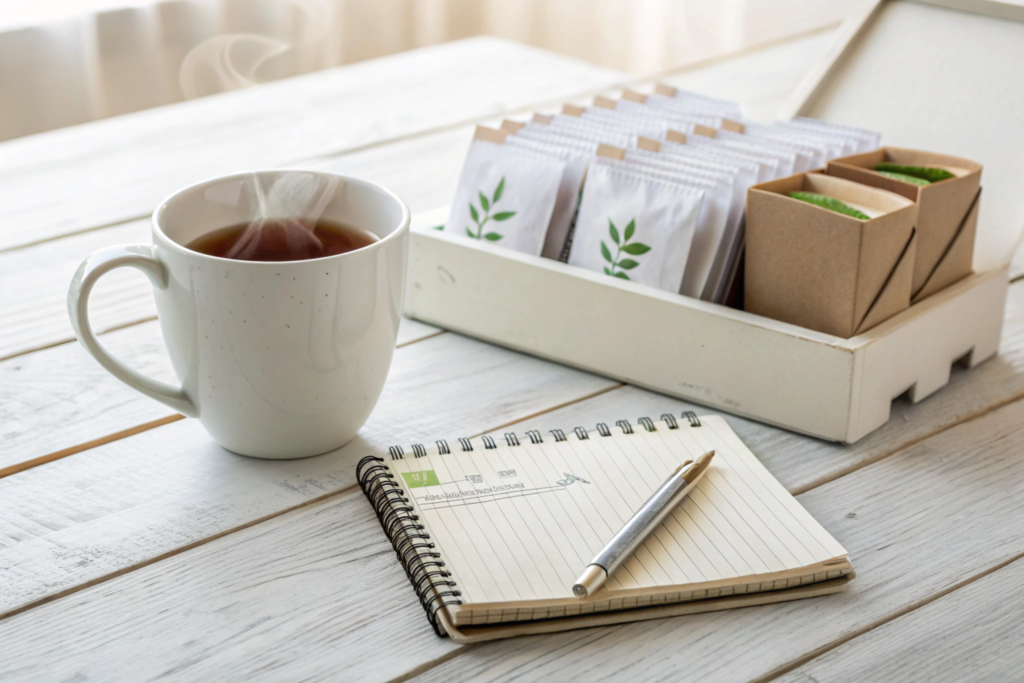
<point>65,62</point>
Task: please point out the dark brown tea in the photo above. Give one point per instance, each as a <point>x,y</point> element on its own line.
<point>281,239</point>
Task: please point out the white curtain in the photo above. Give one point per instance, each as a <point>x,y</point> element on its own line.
<point>116,58</point>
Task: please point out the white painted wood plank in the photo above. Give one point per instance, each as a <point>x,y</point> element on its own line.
<point>64,386</point>
<point>972,634</point>
<point>117,169</point>
<point>271,595</point>
<point>110,508</point>
<point>34,290</point>
<point>914,524</point>
<point>323,580</point>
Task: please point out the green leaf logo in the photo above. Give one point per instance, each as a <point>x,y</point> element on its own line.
<point>618,264</point>
<point>487,205</point>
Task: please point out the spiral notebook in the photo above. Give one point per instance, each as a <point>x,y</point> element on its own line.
<point>493,532</point>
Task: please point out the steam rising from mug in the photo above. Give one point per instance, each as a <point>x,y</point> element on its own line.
<point>285,216</point>
<point>233,61</point>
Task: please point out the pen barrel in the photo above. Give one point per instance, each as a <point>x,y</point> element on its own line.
<point>661,504</point>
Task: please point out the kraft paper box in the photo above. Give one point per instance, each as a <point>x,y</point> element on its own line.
<point>825,270</point>
<point>947,211</point>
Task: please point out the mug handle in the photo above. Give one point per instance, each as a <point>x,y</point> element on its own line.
<point>136,256</point>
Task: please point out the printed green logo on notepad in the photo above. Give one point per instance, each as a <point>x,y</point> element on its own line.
<point>415,480</point>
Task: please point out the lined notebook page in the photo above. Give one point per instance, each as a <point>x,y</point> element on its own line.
<point>517,524</point>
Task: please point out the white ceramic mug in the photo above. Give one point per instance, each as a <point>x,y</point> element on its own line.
<point>276,359</point>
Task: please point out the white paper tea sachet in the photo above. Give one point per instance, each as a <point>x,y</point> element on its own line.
<point>868,139</point>
<point>670,118</point>
<point>506,195</point>
<point>688,101</point>
<point>571,183</point>
<point>714,213</point>
<point>635,227</point>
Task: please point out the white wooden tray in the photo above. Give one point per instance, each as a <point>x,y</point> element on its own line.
<point>837,389</point>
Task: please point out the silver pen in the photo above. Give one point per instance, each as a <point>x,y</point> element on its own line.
<point>640,525</point>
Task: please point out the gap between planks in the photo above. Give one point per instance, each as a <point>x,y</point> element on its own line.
<point>213,537</point>
<point>913,607</point>
<point>131,431</point>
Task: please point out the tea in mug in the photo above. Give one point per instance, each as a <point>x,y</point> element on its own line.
<point>282,239</point>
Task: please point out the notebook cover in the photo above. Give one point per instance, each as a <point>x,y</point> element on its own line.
<point>480,634</point>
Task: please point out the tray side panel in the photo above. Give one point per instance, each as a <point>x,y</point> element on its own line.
<point>917,355</point>
<point>692,350</point>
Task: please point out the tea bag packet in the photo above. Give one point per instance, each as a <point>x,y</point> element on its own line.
<point>623,106</point>
<point>576,127</point>
<point>652,120</point>
<point>744,174</point>
<point>785,160</point>
<point>506,194</point>
<point>567,201</point>
<point>559,139</point>
<point>746,168</point>
<point>596,117</point>
<point>792,154</point>
<point>635,226</point>
<point>682,99</point>
<point>829,145</point>
<point>851,142</point>
<point>721,208</point>
<point>766,167</point>
<point>869,139</point>
<point>637,124</point>
<point>728,114</point>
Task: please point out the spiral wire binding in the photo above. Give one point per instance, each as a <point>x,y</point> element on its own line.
<point>422,563</point>
<point>418,555</point>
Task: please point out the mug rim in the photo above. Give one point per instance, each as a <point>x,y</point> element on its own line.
<point>403,226</point>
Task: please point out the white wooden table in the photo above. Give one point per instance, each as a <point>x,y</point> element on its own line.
<point>133,548</point>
